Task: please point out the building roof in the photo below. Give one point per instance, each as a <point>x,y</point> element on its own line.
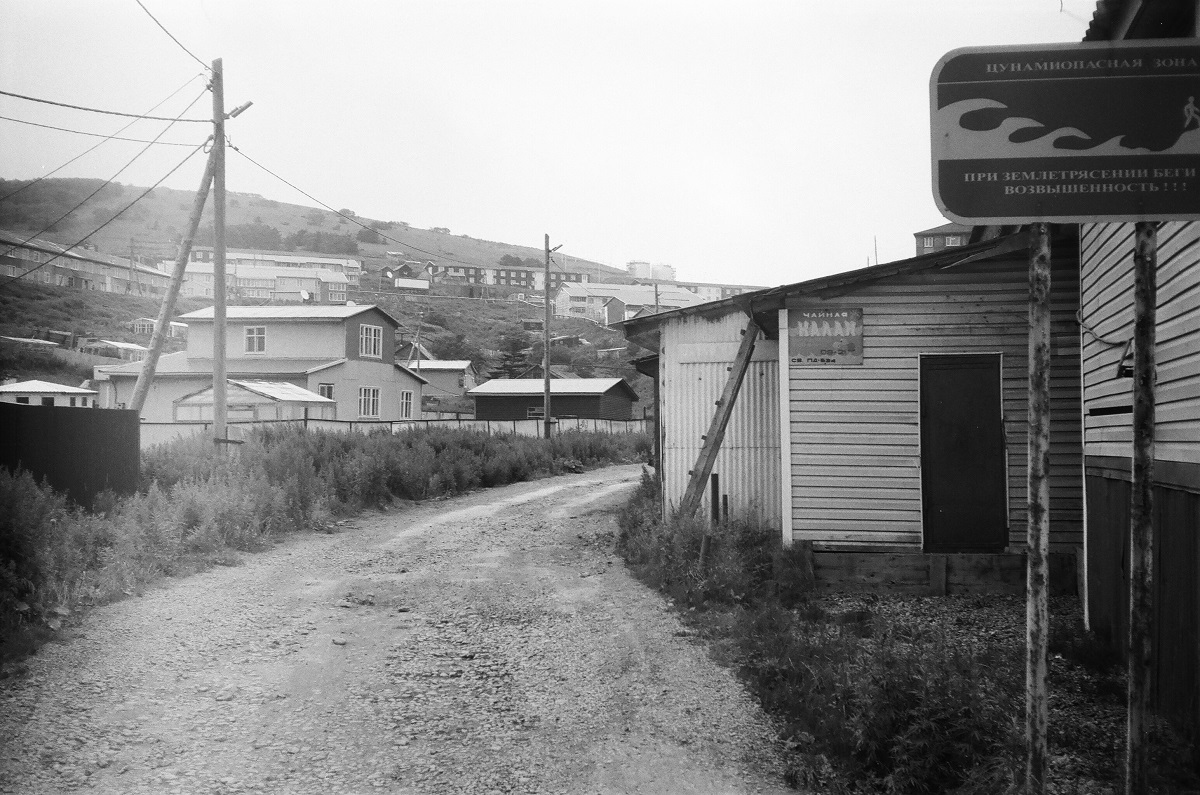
<point>946,229</point>
<point>318,312</point>
<point>44,387</point>
<point>179,365</point>
<point>31,341</point>
<point>774,298</point>
<point>431,365</point>
<point>280,391</point>
<point>637,294</point>
<point>121,346</point>
<point>560,386</point>
<point>15,241</point>
<point>280,256</point>
<point>263,270</point>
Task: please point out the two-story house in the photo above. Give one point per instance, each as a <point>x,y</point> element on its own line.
<point>344,353</point>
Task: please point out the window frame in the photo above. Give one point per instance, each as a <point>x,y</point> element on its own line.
<point>368,398</point>
<point>257,335</point>
<point>325,391</point>
<point>370,338</point>
<point>406,404</point>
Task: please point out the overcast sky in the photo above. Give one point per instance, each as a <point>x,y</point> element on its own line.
<point>754,142</point>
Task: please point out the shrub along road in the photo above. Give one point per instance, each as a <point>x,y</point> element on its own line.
<point>486,643</point>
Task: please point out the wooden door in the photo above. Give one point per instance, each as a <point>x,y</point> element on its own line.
<point>963,486</point>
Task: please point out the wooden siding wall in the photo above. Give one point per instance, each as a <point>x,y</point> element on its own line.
<point>855,436</point>
<point>695,357</point>
<point>1106,305</point>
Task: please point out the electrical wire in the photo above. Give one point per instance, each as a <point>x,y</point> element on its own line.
<point>108,181</point>
<point>164,30</point>
<point>114,137</point>
<point>351,218</point>
<point>120,212</point>
<point>99,110</point>
<point>91,134</point>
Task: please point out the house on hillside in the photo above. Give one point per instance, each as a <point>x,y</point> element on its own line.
<point>247,261</point>
<point>344,353</point>
<point>522,398</point>
<point>129,351</point>
<point>612,303</point>
<point>47,262</point>
<point>940,237</point>
<point>45,393</point>
<point>447,378</point>
<point>881,411</point>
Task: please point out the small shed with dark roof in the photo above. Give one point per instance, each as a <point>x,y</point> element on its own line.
<point>522,398</point>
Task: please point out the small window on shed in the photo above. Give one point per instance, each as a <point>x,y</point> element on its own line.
<point>954,240</point>
<point>928,242</point>
<point>47,401</point>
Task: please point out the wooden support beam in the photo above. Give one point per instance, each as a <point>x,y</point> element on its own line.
<point>1141,530</point>
<point>1037,581</point>
<point>716,429</point>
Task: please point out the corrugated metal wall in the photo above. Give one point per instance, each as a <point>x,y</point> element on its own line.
<point>1107,308</point>
<point>856,455</point>
<point>695,358</point>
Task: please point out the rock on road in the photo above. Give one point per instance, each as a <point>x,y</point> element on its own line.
<point>486,643</point>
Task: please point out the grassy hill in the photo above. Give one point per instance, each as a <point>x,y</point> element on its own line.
<point>154,225</point>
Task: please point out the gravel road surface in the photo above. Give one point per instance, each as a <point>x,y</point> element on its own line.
<point>487,643</point>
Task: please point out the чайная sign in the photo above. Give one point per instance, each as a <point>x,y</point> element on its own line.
<point>1070,133</point>
<point>825,337</point>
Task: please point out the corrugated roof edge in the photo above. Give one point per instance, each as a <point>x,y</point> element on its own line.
<point>773,298</point>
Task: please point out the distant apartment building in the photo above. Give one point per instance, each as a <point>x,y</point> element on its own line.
<point>940,237</point>
<point>644,270</point>
<point>45,262</point>
<point>268,283</point>
<point>529,279</point>
<point>245,260</point>
<point>609,303</point>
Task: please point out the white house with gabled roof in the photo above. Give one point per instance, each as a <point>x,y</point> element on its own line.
<point>343,353</point>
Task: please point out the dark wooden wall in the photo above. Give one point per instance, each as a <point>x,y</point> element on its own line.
<point>1176,622</point>
<point>80,452</point>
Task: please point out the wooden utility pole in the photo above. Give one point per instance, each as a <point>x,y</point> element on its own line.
<point>220,434</point>
<point>1037,586</point>
<point>546,345</point>
<point>1141,529</point>
<point>163,323</point>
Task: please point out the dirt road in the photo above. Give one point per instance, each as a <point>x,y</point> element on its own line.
<point>489,643</point>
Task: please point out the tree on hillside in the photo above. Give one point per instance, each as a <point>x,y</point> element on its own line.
<point>514,343</point>
<point>320,242</point>
<point>368,236</point>
<point>455,346</point>
<point>509,261</point>
<point>255,235</point>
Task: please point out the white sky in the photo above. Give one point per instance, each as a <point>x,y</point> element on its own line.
<point>761,142</point>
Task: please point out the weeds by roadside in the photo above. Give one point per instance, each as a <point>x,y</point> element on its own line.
<point>893,695</point>
<point>198,507</point>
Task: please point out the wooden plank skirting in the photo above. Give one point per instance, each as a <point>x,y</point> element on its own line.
<point>927,574</point>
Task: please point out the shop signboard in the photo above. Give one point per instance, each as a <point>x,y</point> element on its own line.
<point>825,337</point>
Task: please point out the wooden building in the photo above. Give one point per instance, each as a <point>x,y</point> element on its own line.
<point>521,398</point>
<point>899,422</point>
<point>1107,315</point>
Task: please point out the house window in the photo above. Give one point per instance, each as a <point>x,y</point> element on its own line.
<point>47,401</point>
<point>406,405</point>
<point>928,242</point>
<point>954,240</point>
<point>256,339</point>
<point>72,401</point>
<point>325,390</point>
<point>368,401</point>
<point>23,399</point>
<point>370,342</point>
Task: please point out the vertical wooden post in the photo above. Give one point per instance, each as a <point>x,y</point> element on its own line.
<point>1037,599</point>
<point>167,308</point>
<point>546,344</point>
<point>219,405</point>
<point>1141,535</point>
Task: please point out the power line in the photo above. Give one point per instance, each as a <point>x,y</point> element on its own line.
<point>114,137</point>
<point>164,30</point>
<point>351,218</point>
<point>99,110</point>
<point>120,212</point>
<point>108,181</point>
<point>91,134</point>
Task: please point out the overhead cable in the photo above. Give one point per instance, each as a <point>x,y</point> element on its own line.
<point>172,37</point>
<point>114,137</point>
<point>100,110</point>
<point>351,218</point>
<point>108,181</point>
<point>119,213</point>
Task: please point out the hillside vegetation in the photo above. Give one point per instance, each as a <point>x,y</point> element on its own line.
<point>154,225</point>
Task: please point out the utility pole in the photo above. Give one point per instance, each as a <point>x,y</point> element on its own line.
<point>220,434</point>
<point>546,344</point>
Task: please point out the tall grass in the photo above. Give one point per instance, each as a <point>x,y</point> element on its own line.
<point>197,506</point>
<point>864,704</point>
